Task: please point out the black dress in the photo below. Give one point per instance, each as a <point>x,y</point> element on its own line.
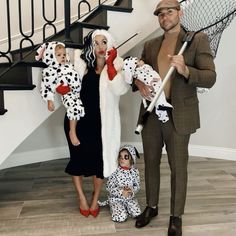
<point>86,158</point>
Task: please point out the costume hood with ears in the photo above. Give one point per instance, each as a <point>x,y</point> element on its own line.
<point>46,53</point>
<point>130,64</point>
<point>132,151</point>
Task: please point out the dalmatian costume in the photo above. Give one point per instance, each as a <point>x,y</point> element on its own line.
<point>60,74</point>
<point>146,74</point>
<point>121,207</point>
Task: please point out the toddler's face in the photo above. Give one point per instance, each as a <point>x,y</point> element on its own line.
<point>61,55</point>
<point>124,159</point>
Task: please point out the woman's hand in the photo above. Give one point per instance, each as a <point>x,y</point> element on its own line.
<point>111,71</point>
<point>111,55</point>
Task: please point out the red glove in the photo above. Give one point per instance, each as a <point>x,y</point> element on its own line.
<point>112,54</point>
<point>111,71</point>
<point>61,89</point>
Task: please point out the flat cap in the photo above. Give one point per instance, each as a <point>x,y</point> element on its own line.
<point>163,4</point>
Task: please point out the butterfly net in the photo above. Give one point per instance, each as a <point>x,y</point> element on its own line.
<point>210,16</point>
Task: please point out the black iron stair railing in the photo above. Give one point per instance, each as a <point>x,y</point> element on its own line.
<point>16,73</point>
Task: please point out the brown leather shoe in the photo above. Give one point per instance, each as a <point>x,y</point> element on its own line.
<point>146,216</point>
<point>175,226</point>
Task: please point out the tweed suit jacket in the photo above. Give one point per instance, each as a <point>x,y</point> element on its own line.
<point>199,59</point>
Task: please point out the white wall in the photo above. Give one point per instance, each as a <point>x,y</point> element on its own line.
<point>218,107</point>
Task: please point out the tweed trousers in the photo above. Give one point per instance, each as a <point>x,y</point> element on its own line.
<point>155,135</point>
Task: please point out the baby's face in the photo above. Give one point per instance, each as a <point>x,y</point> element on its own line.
<point>140,63</point>
<point>61,55</point>
<point>124,159</point>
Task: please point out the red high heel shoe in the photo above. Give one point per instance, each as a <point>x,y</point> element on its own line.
<point>95,212</point>
<point>84,212</point>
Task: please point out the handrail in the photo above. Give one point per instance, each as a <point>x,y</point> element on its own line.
<point>49,22</point>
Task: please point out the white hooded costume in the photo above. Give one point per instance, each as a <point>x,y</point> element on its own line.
<point>60,74</point>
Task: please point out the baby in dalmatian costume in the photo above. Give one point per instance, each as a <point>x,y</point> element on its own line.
<point>122,186</point>
<point>60,76</point>
<point>135,68</point>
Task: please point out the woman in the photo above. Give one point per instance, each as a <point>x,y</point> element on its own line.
<point>99,130</point>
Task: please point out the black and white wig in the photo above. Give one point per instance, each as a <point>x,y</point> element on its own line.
<point>88,53</point>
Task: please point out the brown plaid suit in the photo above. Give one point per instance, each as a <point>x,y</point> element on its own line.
<point>184,119</point>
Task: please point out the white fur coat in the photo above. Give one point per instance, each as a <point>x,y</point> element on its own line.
<point>110,92</point>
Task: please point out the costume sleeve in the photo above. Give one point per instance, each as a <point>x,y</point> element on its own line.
<point>118,85</point>
<point>48,84</point>
<point>112,186</point>
<point>202,72</point>
<point>136,183</point>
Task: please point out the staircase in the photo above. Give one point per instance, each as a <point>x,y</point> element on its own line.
<point>26,110</point>
<point>17,74</point>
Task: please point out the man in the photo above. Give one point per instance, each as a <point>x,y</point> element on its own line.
<point>195,68</point>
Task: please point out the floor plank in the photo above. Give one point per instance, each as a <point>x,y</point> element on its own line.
<point>40,200</point>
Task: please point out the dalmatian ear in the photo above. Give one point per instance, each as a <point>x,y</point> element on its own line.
<point>136,152</point>
<point>40,52</point>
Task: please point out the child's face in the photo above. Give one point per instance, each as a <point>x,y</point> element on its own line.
<point>124,159</point>
<point>61,55</point>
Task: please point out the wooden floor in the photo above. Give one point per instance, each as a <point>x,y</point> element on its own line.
<point>39,200</point>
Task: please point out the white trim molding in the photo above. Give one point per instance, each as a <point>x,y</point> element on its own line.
<point>24,158</point>
<point>201,151</point>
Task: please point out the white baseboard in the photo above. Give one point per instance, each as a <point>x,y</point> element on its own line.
<point>41,155</point>
<point>201,151</point>
<point>23,158</point>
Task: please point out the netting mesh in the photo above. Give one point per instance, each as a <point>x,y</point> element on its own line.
<point>209,16</point>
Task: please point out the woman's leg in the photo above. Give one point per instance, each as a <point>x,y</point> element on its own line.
<point>97,182</point>
<point>78,182</point>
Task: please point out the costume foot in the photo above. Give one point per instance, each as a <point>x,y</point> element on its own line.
<point>175,226</point>
<point>146,216</point>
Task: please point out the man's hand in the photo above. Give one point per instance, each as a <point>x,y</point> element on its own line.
<point>145,90</point>
<point>178,62</point>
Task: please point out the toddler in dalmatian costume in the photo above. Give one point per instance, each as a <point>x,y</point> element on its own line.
<point>122,186</point>
<point>60,76</point>
<point>135,68</point>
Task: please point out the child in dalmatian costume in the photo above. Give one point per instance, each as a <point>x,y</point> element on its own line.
<point>60,76</point>
<point>135,68</point>
<point>122,186</point>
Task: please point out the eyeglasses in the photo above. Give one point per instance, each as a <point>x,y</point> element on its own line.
<point>124,157</point>
<point>168,13</point>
